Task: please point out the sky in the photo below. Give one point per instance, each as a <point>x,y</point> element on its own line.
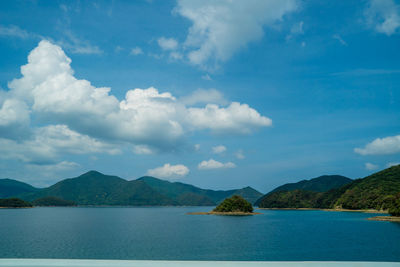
<point>219,94</point>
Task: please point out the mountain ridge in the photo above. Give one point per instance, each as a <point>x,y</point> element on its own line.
<point>95,188</point>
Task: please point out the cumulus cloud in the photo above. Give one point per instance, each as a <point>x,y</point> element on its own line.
<point>371,167</point>
<point>381,146</point>
<point>236,118</point>
<point>213,164</point>
<point>383,16</point>
<point>218,149</point>
<point>147,118</point>
<point>136,51</point>
<point>47,144</point>
<point>169,171</point>
<point>221,28</point>
<point>167,43</point>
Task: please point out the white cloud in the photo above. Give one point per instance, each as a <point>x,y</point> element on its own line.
<point>391,164</point>
<point>218,149</point>
<point>146,117</point>
<point>197,147</point>
<point>213,164</point>
<point>14,119</point>
<point>14,31</point>
<point>383,16</point>
<point>371,167</point>
<point>136,51</point>
<point>239,154</point>
<point>167,43</point>
<point>202,96</point>
<point>169,171</point>
<point>220,28</point>
<point>236,118</point>
<point>381,146</point>
<point>48,143</point>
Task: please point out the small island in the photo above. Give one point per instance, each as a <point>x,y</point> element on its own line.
<point>233,206</point>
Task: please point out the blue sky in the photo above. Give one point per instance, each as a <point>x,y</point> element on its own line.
<point>219,94</point>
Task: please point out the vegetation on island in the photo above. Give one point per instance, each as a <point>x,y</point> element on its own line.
<point>379,191</point>
<point>234,204</point>
<point>14,203</point>
<point>53,202</point>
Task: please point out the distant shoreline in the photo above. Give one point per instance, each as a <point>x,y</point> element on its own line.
<point>385,218</point>
<point>224,213</point>
<point>341,210</point>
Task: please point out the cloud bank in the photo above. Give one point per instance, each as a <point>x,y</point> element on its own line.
<point>220,28</point>
<point>76,112</point>
<point>169,171</point>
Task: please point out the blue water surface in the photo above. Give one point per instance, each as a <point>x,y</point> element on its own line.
<point>168,233</point>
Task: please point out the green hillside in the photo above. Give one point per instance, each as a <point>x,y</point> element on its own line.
<point>94,188</point>
<point>320,184</point>
<point>198,197</point>
<point>373,192</point>
<point>10,188</point>
<point>14,203</point>
<point>378,191</point>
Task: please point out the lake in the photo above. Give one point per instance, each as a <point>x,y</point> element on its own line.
<point>167,233</point>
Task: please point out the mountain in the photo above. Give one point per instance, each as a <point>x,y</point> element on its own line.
<point>377,191</point>
<point>189,195</point>
<point>10,188</point>
<point>94,188</point>
<point>373,192</point>
<point>320,184</point>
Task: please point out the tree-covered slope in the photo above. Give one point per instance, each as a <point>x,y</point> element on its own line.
<point>10,188</point>
<point>189,195</point>
<point>378,191</point>
<point>234,204</point>
<point>94,188</point>
<point>372,192</point>
<point>320,184</point>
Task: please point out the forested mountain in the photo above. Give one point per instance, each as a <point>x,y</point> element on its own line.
<point>9,188</point>
<point>376,191</point>
<point>94,188</point>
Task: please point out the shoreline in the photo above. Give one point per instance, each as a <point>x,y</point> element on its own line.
<point>385,218</point>
<point>224,213</point>
<point>337,210</point>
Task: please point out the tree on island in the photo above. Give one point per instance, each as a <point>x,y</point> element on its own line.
<point>234,204</point>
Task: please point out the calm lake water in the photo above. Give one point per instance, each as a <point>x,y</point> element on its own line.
<point>169,234</point>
